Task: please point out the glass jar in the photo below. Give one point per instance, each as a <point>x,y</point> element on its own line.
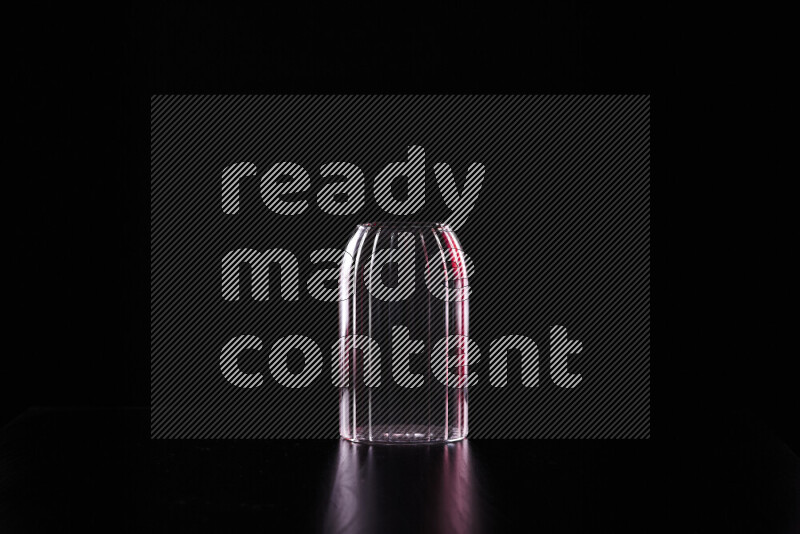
<point>403,334</point>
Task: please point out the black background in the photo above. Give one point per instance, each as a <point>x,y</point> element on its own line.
<point>77,251</point>
<point>80,215</point>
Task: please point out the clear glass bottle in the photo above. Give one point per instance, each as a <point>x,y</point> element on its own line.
<point>403,334</point>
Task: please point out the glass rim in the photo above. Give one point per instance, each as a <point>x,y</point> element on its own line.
<point>404,224</point>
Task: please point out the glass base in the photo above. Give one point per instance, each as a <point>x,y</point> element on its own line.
<point>403,434</point>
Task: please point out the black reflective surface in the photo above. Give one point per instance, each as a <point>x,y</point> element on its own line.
<point>98,470</point>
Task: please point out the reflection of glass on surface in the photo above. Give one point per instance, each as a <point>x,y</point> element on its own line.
<point>403,334</point>
<point>410,489</point>
<point>458,510</point>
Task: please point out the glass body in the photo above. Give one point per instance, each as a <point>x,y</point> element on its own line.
<point>403,334</point>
